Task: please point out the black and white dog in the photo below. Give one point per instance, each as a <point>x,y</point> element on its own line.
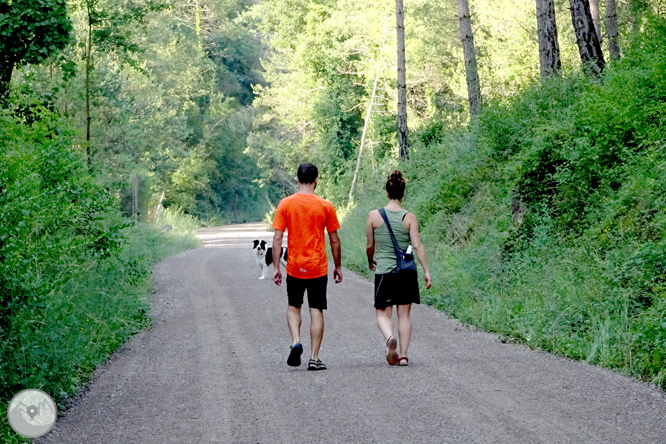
<point>264,256</point>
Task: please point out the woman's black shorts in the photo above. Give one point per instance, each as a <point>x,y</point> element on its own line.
<point>396,289</point>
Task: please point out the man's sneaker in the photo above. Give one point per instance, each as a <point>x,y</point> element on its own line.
<point>294,359</point>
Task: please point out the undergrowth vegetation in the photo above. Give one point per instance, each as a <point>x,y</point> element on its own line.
<point>74,273</point>
<point>545,221</point>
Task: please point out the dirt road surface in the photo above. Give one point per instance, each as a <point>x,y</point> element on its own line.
<point>212,369</point>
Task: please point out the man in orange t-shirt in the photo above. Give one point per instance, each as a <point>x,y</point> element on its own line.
<point>305,216</point>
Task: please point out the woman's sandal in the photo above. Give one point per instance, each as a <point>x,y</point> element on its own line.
<point>391,354</point>
<point>404,358</point>
<point>320,365</point>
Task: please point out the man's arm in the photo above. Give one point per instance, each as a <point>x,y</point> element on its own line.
<point>277,249</point>
<point>336,250</point>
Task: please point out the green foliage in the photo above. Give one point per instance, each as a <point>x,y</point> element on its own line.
<point>30,32</point>
<point>181,225</point>
<point>50,210</point>
<point>171,85</point>
<point>546,221</point>
<point>320,75</point>
<point>74,274</point>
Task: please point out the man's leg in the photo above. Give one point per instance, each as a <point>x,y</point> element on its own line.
<point>294,323</point>
<point>316,331</point>
<point>295,291</point>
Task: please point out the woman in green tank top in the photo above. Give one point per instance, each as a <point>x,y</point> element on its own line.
<point>399,289</point>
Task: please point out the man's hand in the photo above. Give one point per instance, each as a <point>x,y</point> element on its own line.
<point>337,275</point>
<point>277,249</point>
<point>334,240</point>
<point>277,276</point>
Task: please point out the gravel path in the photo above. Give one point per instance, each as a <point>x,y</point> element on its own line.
<point>212,369</point>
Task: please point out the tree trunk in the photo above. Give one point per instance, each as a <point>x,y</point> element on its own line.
<point>158,210</point>
<point>596,17</point>
<point>611,26</point>
<point>88,69</point>
<point>135,200</point>
<point>6,69</point>
<point>469,51</point>
<point>549,48</point>
<point>365,125</point>
<point>197,23</point>
<point>586,37</point>
<point>402,83</point>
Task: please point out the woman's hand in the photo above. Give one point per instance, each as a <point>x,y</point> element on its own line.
<point>428,279</point>
<point>372,265</point>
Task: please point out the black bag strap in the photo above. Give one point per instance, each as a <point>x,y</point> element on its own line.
<point>382,213</point>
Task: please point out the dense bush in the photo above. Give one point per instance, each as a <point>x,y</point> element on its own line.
<point>546,220</point>
<point>74,274</point>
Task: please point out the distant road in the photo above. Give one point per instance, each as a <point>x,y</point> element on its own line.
<point>212,369</point>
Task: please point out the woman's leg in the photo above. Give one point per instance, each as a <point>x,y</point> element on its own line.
<point>404,327</point>
<point>386,327</point>
<point>384,321</point>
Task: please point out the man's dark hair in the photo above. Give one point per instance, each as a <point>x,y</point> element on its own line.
<point>307,173</point>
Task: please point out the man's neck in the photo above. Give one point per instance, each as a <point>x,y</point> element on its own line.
<point>307,188</point>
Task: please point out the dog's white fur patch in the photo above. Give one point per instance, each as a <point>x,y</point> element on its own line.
<point>264,256</point>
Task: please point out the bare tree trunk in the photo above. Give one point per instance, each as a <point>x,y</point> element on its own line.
<point>402,83</point>
<point>197,22</point>
<point>365,126</point>
<point>158,210</point>
<point>596,17</point>
<point>611,26</point>
<point>588,43</point>
<point>135,200</point>
<point>549,48</point>
<point>88,69</point>
<point>6,68</point>
<point>469,51</point>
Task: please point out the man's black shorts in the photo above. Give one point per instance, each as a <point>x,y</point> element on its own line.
<point>316,291</point>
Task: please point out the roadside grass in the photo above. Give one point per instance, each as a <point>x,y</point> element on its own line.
<point>545,220</point>
<point>554,296</point>
<point>74,273</point>
<point>81,323</point>
<point>175,223</point>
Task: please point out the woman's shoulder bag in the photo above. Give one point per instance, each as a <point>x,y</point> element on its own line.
<point>404,260</point>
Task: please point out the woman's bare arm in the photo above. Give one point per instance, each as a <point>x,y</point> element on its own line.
<point>419,249</point>
<point>370,246</point>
